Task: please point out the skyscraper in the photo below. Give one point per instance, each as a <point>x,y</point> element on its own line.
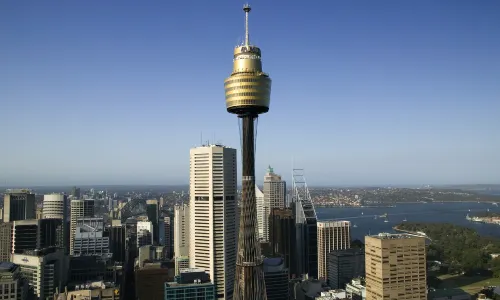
<point>79,209</point>
<point>90,239</point>
<point>75,193</point>
<point>168,235</point>
<point>282,237</point>
<point>262,211</point>
<point>344,265</point>
<point>55,206</point>
<point>181,230</point>
<point>153,212</point>
<point>212,205</point>
<point>395,267</point>
<point>248,93</point>
<point>5,241</point>
<point>37,234</point>
<point>274,197</point>
<point>274,189</point>
<point>19,205</point>
<point>306,228</point>
<point>332,235</point>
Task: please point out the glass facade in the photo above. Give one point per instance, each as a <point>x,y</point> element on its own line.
<point>195,291</point>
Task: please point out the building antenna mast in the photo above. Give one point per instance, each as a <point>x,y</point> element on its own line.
<point>247,10</point>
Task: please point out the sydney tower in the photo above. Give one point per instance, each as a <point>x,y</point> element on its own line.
<point>248,91</point>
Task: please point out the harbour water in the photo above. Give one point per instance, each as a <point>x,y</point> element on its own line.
<point>368,220</point>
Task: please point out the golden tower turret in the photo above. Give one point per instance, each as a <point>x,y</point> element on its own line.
<point>248,89</point>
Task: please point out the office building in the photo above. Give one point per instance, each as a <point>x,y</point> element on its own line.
<point>117,242</point>
<point>306,234</point>
<point>39,213</point>
<point>332,235</point>
<point>75,193</point>
<point>274,189</point>
<point>168,235</point>
<point>89,268</point>
<point>150,253</point>
<point>12,285</point>
<point>273,196</point>
<point>181,230</point>
<point>37,234</point>
<point>282,237</point>
<point>344,265</point>
<point>45,270</point>
<point>181,262</point>
<point>276,278</point>
<point>190,284</point>
<point>150,280</point>
<point>144,233</point>
<point>90,239</point>
<point>153,213</point>
<point>79,209</point>
<point>18,205</point>
<point>212,206</point>
<point>262,212</point>
<point>5,241</point>
<point>395,267</point>
<point>55,206</point>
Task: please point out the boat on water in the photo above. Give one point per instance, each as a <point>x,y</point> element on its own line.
<point>355,226</point>
<point>386,221</point>
<point>405,220</point>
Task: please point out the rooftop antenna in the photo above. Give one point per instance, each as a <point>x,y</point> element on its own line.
<point>247,9</point>
<point>201,138</point>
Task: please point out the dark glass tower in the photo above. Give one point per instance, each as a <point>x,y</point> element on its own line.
<point>282,237</point>
<point>248,92</point>
<point>153,214</point>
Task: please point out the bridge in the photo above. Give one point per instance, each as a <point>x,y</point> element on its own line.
<point>133,208</point>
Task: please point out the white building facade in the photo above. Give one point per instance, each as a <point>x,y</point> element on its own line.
<point>213,207</point>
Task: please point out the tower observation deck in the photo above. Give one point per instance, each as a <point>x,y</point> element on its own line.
<point>248,92</point>
<point>248,89</point>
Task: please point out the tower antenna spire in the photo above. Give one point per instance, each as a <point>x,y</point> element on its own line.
<point>247,9</point>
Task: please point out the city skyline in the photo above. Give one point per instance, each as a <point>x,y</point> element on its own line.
<point>371,93</point>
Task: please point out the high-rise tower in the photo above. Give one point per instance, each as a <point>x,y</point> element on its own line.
<point>248,92</point>
<point>79,209</point>
<point>395,267</point>
<point>212,215</point>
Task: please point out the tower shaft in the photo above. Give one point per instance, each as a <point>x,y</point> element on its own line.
<point>249,278</point>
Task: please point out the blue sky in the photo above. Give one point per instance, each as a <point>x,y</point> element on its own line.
<point>364,92</point>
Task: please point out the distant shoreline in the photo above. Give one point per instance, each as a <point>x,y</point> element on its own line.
<point>395,203</point>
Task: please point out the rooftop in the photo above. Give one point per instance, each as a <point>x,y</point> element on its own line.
<point>192,270</point>
<point>18,191</point>
<point>6,266</point>
<point>333,223</point>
